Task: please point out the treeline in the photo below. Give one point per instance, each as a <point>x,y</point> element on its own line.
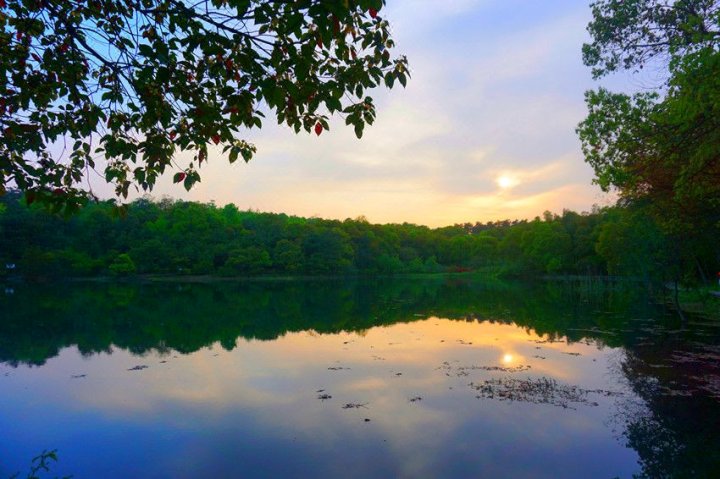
<point>190,238</point>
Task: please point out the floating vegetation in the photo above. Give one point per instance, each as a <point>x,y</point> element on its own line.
<point>355,405</point>
<point>537,391</point>
<point>415,399</point>
<point>139,367</point>
<point>324,397</point>
<point>571,354</point>
<point>666,391</point>
<point>546,341</point>
<point>78,376</point>
<point>594,331</point>
<point>711,385</point>
<point>338,368</point>
<point>709,356</point>
<point>707,361</point>
<point>465,370</point>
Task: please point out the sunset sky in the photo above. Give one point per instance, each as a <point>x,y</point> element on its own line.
<point>485,129</point>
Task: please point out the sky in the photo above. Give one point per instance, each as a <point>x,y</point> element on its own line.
<point>485,129</point>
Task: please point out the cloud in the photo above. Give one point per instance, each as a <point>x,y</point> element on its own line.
<point>495,90</point>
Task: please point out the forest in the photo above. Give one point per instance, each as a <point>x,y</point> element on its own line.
<point>173,237</point>
<point>656,148</point>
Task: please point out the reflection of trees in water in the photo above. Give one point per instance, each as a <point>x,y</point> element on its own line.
<point>675,435</point>
<point>657,447</point>
<point>185,318</point>
<point>670,421</point>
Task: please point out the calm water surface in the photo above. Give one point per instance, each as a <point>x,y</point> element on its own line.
<point>403,378</point>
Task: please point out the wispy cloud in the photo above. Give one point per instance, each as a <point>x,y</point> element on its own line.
<point>496,89</point>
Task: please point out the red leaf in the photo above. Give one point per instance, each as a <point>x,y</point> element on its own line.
<point>373,12</point>
<point>2,3</point>
<point>173,134</point>
<point>30,197</point>
<point>216,139</point>
<point>179,177</point>
<point>318,129</point>
<point>58,192</point>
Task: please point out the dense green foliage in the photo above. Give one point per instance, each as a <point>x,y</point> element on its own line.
<point>188,238</point>
<point>659,148</point>
<point>124,86</point>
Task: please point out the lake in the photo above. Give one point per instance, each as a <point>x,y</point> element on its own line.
<point>427,377</point>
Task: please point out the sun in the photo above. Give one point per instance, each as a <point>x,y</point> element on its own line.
<point>508,358</point>
<point>506,181</point>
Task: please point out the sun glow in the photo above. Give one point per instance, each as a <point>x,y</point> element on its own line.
<point>506,181</point>
<point>507,358</point>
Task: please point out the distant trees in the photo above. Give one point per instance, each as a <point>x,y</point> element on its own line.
<point>633,245</point>
<point>182,238</point>
<point>122,265</point>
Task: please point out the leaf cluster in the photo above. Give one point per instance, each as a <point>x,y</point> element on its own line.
<point>120,88</point>
<point>659,148</point>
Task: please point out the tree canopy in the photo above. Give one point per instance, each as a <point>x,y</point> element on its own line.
<point>630,34</point>
<point>120,87</point>
<point>659,147</point>
<point>168,237</point>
